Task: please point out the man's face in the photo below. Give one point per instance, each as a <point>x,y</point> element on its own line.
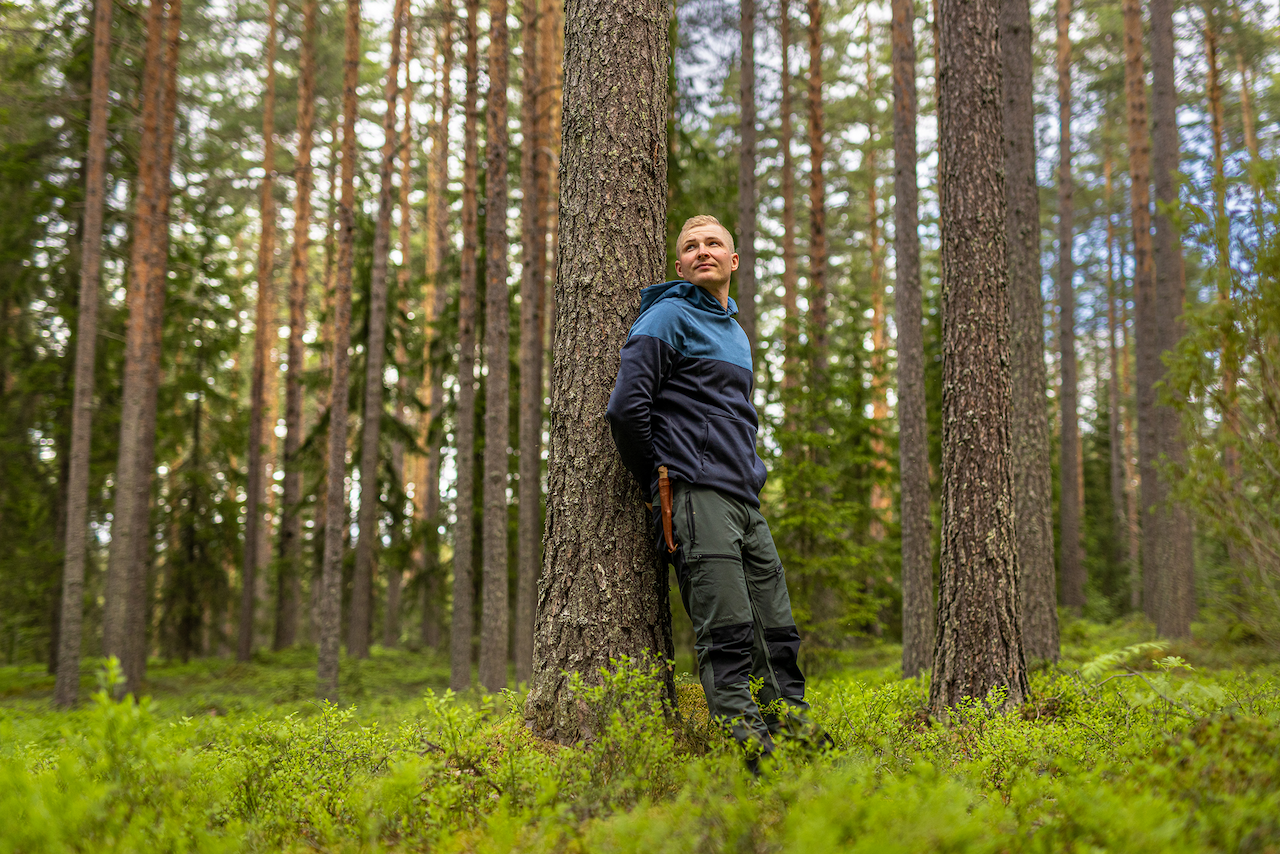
<point>704,257</point>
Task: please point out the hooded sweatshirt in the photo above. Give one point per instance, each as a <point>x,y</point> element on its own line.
<point>683,395</point>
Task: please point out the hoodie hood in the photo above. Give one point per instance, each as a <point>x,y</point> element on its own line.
<point>687,291</point>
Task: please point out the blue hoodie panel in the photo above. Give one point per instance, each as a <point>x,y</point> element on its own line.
<point>683,395</point>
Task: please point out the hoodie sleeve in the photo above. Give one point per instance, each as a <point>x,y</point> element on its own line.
<point>646,365</point>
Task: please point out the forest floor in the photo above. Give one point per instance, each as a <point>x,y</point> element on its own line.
<point>1126,745</point>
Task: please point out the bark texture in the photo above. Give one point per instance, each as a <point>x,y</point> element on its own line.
<point>71,615</point>
<point>602,596</point>
<point>1176,594</point>
<point>1071,500</point>
<point>1029,422</point>
<point>913,426</point>
<point>533,162</point>
<point>817,211</point>
<point>289,578</point>
<point>746,243</point>
<point>1147,353</point>
<point>463,532</point>
<point>330,610</point>
<point>361,625</point>
<point>264,334</point>
<point>494,616</point>
<point>790,275</point>
<point>979,645</point>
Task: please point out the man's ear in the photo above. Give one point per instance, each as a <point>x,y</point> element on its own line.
<point>679,272</point>
<point>733,262</point>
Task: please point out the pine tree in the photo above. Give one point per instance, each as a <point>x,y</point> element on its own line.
<point>979,645</point>
<point>602,598</point>
<point>746,244</point>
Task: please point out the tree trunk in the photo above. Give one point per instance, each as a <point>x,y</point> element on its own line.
<point>330,616</point>
<point>264,332</point>
<point>360,626</point>
<point>1147,357</point>
<point>1115,442</point>
<point>532,276</point>
<point>289,578</point>
<point>790,277</point>
<point>71,615</point>
<point>395,576</point>
<point>1176,596</point>
<point>552,41</point>
<point>817,215</point>
<point>603,597</point>
<point>913,425</point>
<point>881,501</point>
<point>431,628</point>
<point>494,617</point>
<point>464,530</point>
<point>128,488</point>
<point>746,245</point>
<point>1029,422</point>
<point>979,646</point>
<point>1070,501</point>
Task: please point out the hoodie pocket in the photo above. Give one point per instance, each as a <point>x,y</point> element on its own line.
<point>729,452</point>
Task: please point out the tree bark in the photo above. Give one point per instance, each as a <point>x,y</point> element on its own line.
<point>979,645</point>
<point>790,277</point>
<point>913,425</point>
<point>603,597</point>
<point>1071,473</point>
<point>1029,422</point>
<point>1147,356</point>
<point>264,332</point>
<point>395,577</point>
<point>746,245</point>
<point>433,434</point>
<point>881,501</point>
<point>1115,442</point>
<point>361,626</point>
<point>128,488</point>
<point>532,277</point>
<point>71,615</point>
<point>330,616</point>
<point>817,213</point>
<point>289,578</point>
<point>464,530</point>
<point>494,615</point>
<point>1176,580</point>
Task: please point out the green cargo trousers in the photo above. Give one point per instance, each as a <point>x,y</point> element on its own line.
<point>735,592</point>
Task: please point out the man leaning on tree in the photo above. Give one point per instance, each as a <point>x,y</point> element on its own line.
<point>683,421</point>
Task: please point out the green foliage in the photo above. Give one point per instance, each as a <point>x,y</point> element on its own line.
<point>1133,750</point>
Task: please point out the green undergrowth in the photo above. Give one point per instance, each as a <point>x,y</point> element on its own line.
<point>1127,745</point>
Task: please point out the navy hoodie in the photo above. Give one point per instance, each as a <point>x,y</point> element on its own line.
<point>683,395</point>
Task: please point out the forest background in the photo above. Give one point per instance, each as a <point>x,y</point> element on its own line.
<point>228,556</point>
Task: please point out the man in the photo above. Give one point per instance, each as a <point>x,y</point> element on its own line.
<point>681,412</point>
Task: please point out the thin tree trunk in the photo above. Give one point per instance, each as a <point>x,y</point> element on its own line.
<point>395,577</point>
<point>532,276</point>
<point>1250,133</point>
<point>1029,422</point>
<point>881,501</point>
<point>464,530</point>
<point>746,245</point>
<point>603,598</point>
<point>817,212</point>
<point>494,616</point>
<point>553,81</point>
<point>1115,442</point>
<point>431,628</point>
<point>1147,355</point>
<point>71,616</point>
<point>360,626</point>
<point>130,488</point>
<point>979,644</point>
<point>264,332</point>
<point>1070,502</point>
<point>330,616</point>
<point>289,578</point>
<point>913,427</point>
<point>1176,588</point>
<point>790,286</point>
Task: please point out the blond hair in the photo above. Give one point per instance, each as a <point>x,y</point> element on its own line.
<point>702,219</point>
